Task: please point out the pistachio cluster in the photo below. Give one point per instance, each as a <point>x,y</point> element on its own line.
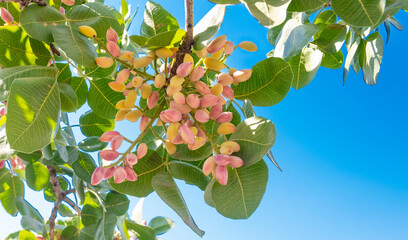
<point>185,101</point>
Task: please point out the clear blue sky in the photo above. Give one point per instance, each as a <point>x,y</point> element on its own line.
<point>343,150</point>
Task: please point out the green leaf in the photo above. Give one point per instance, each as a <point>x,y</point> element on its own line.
<point>270,82</point>
<point>185,154</point>
<point>332,61</point>
<point>189,173</point>
<point>93,125</point>
<point>243,193</point>
<point>255,136</point>
<point>293,37</point>
<point>236,117</point>
<point>18,49</point>
<point>139,41</point>
<point>157,20</point>
<point>208,26</point>
<point>102,99</point>
<point>26,235</point>
<point>332,38</point>
<point>32,112</point>
<point>269,13</point>
<point>65,211</point>
<point>99,16</point>
<point>165,39</point>
<point>304,6</point>
<point>91,144</point>
<point>5,150</point>
<point>37,176</point>
<point>359,13</point>
<point>90,214</point>
<point>161,224</point>
<point>167,189</point>
<point>208,194</point>
<point>326,18</point>
<point>80,89</point>
<point>39,21</point>
<point>305,66</point>
<point>8,75</point>
<point>353,53</point>
<point>248,109</point>
<point>75,45</point>
<point>84,167</point>
<point>70,233</point>
<point>26,209</point>
<point>69,100</point>
<point>106,226</point>
<point>11,187</point>
<point>65,73</point>
<point>117,203</point>
<point>88,232</point>
<point>31,224</point>
<point>151,140</point>
<point>140,231</point>
<point>79,187</point>
<point>372,54</point>
<point>146,168</point>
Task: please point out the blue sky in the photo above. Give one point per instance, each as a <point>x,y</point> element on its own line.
<point>342,150</point>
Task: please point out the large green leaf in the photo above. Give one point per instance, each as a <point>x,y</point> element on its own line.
<point>270,82</point>
<point>140,231</point>
<point>332,61</point>
<point>26,209</point>
<point>18,49</point>
<point>167,189</point>
<point>117,203</point>
<point>332,38</point>
<point>165,39</point>
<point>293,37</point>
<point>255,136</point>
<point>305,66</point>
<point>161,225</point>
<point>371,55</point>
<point>90,214</point>
<point>146,168</point>
<point>106,226</point>
<point>243,193</point>
<point>69,99</point>
<point>157,20</point>
<point>8,75</point>
<point>39,21</point>
<point>37,176</point>
<point>97,15</point>
<point>31,224</point>
<point>80,89</point>
<point>102,99</point>
<point>304,6</point>
<point>26,235</point>
<point>185,154</point>
<point>353,53</point>
<point>189,173</point>
<point>84,167</point>
<point>33,109</point>
<point>269,13</point>
<point>93,125</point>
<point>75,45</point>
<point>359,13</point>
<point>208,26</point>
<point>11,187</point>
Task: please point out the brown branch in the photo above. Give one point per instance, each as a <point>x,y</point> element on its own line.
<point>24,3</point>
<point>73,205</point>
<point>188,41</point>
<point>60,196</point>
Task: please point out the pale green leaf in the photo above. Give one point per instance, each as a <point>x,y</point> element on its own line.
<point>305,66</point>
<point>33,110</point>
<point>37,176</point>
<point>93,125</point>
<point>269,13</point>
<point>359,13</point>
<point>102,99</point>
<point>157,20</point>
<point>208,26</point>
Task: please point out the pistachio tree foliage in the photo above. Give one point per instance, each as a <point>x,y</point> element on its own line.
<point>194,112</point>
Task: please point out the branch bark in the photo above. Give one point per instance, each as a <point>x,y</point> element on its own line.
<point>24,3</point>
<point>60,196</point>
<point>188,41</point>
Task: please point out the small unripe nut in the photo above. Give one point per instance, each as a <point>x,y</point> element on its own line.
<point>164,53</point>
<point>111,35</point>
<point>217,44</point>
<point>248,46</point>
<point>146,91</point>
<point>113,48</point>
<point>87,31</point>
<point>104,62</point>
<point>117,86</point>
<point>159,80</point>
<point>142,62</point>
<point>214,64</point>
<point>226,128</point>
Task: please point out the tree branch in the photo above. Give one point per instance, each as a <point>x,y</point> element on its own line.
<point>24,3</point>
<point>60,196</point>
<point>185,47</point>
<point>73,205</point>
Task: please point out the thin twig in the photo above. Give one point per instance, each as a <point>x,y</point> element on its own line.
<point>185,47</point>
<point>73,205</point>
